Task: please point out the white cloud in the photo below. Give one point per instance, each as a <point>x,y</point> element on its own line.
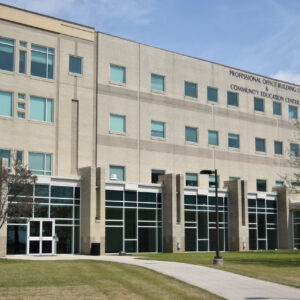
<point>92,12</point>
<point>288,76</point>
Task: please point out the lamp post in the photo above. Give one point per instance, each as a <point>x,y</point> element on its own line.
<point>218,260</point>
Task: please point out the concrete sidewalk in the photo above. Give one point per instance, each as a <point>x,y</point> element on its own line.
<point>225,284</point>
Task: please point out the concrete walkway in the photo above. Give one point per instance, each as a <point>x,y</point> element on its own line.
<point>228,285</point>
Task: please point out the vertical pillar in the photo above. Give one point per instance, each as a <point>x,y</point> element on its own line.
<point>3,229</point>
<point>284,219</point>
<point>173,212</point>
<point>238,230</point>
<point>92,208</point>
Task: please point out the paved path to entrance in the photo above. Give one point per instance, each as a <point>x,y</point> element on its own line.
<point>228,285</point>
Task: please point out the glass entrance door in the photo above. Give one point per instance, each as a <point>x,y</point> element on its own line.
<point>41,237</point>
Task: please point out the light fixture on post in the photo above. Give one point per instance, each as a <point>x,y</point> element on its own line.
<point>218,260</point>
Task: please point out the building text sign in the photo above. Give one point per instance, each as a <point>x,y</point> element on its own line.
<point>267,83</point>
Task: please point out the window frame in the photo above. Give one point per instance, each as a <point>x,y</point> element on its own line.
<point>45,163</point>
<point>124,120</point>
<point>164,131</point>
<point>296,109</point>
<point>197,134</point>
<point>45,112</point>
<point>81,65</point>
<point>214,88</point>
<point>164,83</point>
<point>280,105</point>
<point>14,53</point>
<point>117,82</point>
<point>291,145</point>
<point>239,144</point>
<point>275,141</point>
<point>266,182</point>
<point>197,179</point>
<point>263,102</point>
<point>12,105</point>
<point>10,156</point>
<point>118,166</point>
<point>218,141</point>
<point>196,85</point>
<point>237,99</point>
<point>163,172</point>
<point>265,145</point>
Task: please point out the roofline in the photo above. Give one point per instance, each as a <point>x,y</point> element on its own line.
<point>44,15</point>
<point>205,60</point>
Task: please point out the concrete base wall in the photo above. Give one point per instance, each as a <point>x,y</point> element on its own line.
<point>238,230</point>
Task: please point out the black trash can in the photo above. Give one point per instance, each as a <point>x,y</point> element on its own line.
<point>95,249</point>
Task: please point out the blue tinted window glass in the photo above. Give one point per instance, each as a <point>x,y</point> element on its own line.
<point>259,104</point>
<point>233,140</point>
<point>117,171</point>
<point>117,123</point>
<point>261,185</point>
<point>212,94</point>
<point>279,183</point>
<point>155,174</point>
<point>190,89</point>
<point>22,62</point>
<point>5,154</point>
<point>191,134</point>
<point>232,99</point>
<point>19,157</point>
<point>39,163</point>
<point>294,149</point>
<point>42,60</point>
<point>277,108</point>
<point>5,104</point>
<point>50,66</point>
<point>212,181</point>
<point>157,129</point>
<point>21,105</point>
<point>21,115</point>
<point>191,179</point>
<point>278,147</point>
<point>6,54</point>
<point>49,109</point>
<point>117,74</point>
<point>23,44</point>
<point>260,145</point>
<point>75,64</point>
<point>213,138</point>
<point>40,109</point>
<point>157,82</point>
<point>293,112</point>
<point>231,178</point>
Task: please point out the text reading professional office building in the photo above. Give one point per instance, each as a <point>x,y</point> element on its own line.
<point>99,118</point>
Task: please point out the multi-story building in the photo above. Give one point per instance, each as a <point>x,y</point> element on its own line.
<point>118,132</point>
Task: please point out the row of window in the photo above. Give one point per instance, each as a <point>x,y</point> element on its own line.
<point>191,179</point>
<point>118,74</point>
<point>38,163</point>
<point>117,124</point>
<point>40,109</point>
<point>41,59</point>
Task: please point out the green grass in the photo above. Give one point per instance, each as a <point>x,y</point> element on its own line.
<point>277,266</point>
<point>89,280</point>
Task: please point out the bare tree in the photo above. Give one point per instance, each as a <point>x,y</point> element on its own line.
<point>16,185</point>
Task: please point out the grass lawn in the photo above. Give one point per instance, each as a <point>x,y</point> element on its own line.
<point>89,280</point>
<point>277,266</point>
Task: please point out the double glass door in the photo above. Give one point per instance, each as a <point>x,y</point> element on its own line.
<point>41,237</point>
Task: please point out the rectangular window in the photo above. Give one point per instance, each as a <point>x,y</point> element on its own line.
<point>294,149</point>
<point>259,104</point>
<point>7,49</point>
<point>155,174</point>
<point>5,104</point>
<point>212,94</point>
<point>5,154</point>
<point>117,74</point>
<point>21,115</point>
<point>40,163</point>
<point>190,89</point>
<point>278,149</point>
<point>232,99</point>
<point>277,108</point>
<point>191,179</point>
<point>21,96</point>
<point>260,145</point>
<point>157,129</point>
<point>261,185</point>
<point>23,44</point>
<point>213,138</point>
<point>117,123</point>
<point>279,183</point>
<point>211,181</point>
<point>117,173</point>
<point>19,157</point>
<point>191,134</point>
<point>42,61</point>
<point>22,61</point>
<point>233,140</point>
<point>41,109</point>
<point>293,112</point>
<point>232,178</point>
<point>157,82</point>
<point>21,105</point>
<point>75,64</point>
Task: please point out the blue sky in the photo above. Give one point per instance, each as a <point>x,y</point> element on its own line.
<point>261,36</point>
